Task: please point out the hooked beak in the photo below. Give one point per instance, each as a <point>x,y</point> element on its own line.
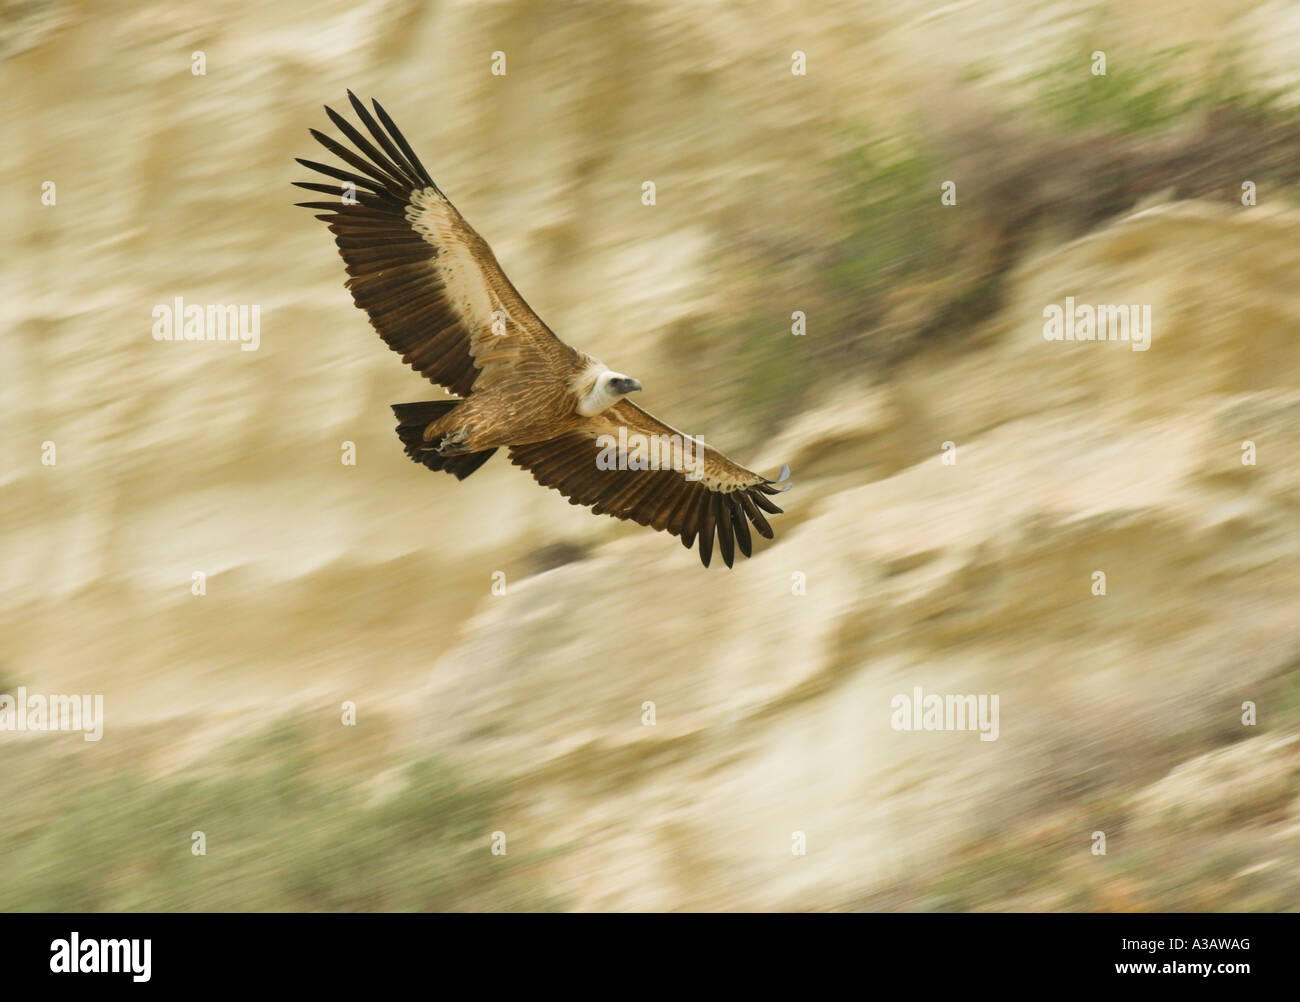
<point>627,385</point>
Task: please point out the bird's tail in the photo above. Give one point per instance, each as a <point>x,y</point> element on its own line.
<point>412,419</point>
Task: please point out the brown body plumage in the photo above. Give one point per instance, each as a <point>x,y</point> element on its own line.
<point>435,293</point>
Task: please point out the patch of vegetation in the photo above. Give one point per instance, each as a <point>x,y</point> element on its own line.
<point>1145,96</point>
<point>890,236</point>
<point>1282,697</point>
<point>1175,864</point>
<point>883,269</point>
<point>886,243</point>
<point>991,877</point>
<point>1132,96</point>
<point>279,837</point>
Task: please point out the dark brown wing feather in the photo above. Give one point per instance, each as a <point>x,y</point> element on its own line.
<point>721,505</point>
<point>429,283</point>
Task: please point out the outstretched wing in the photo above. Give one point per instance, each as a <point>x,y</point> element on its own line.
<point>692,490</point>
<point>429,283</point>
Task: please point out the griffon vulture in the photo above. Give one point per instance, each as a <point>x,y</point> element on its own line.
<point>435,293</point>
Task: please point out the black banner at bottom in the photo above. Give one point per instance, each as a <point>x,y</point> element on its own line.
<point>1228,952</point>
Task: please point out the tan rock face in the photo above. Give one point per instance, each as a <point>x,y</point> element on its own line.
<point>973,579</point>
<point>772,688</point>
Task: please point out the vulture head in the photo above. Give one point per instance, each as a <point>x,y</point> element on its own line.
<point>607,390</point>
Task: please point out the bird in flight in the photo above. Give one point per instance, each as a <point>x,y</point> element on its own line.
<point>434,292</point>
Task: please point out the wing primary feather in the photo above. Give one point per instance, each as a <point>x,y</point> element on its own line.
<point>370,150</point>
<point>688,534</point>
<point>374,129</point>
<point>740,525</point>
<point>704,515</point>
<point>726,538</point>
<point>400,139</point>
<point>324,189</point>
<point>755,516</point>
<point>366,183</point>
<point>373,168</point>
